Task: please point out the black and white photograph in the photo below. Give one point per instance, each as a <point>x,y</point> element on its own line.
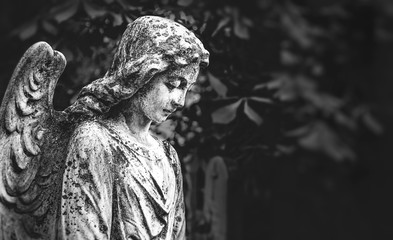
<point>196,119</point>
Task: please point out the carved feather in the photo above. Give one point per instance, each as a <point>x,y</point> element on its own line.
<point>27,119</point>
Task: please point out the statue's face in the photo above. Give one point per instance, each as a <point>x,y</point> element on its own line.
<point>166,92</point>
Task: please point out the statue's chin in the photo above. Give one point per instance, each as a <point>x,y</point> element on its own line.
<point>158,119</point>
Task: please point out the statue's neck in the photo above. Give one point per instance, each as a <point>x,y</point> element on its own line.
<point>138,125</point>
<point>135,124</point>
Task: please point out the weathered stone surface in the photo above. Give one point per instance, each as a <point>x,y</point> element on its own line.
<point>94,171</point>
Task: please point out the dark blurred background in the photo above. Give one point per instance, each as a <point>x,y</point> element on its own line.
<point>287,134</point>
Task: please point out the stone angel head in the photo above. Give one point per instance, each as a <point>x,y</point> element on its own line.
<point>150,47</point>
<point>62,174</point>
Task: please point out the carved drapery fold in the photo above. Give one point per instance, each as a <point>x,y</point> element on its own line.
<point>108,182</point>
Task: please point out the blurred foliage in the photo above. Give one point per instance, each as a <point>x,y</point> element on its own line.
<point>275,87</point>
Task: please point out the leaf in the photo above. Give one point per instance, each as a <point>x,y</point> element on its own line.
<point>372,124</point>
<point>183,16</point>
<point>277,82</point>
<point>192,98</point>
<point>261,100</point>
<point>288,58</point>
<point>220,25</point>
<point>202,28</point>
<point>68,54</point>
<point>240,29</point>
<point>124,4</point>
<point>251,114</point>
<point>93,10</point>
<point>286,88</point>
<point>322,138</point>
<point>301,131</point>
<point>226,114</point>
<point>117,19</point>
<point>217,85</point>
<point>166,129</point>
<point>259,86</point>
<point>49,27</point>
<point>27,30</point>
<point>65,11</point>
<point>344,120</point>
<point>184,3</point>
<point>297,29</point>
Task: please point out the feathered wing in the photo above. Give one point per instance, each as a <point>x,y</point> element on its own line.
<point>31,143</point>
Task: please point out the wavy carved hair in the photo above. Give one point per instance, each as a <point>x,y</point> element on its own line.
<point>150,45</point>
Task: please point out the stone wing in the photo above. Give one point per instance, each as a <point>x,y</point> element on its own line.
<point>28,123</point>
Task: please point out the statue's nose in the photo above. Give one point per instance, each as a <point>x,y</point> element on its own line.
<point>178,102</point>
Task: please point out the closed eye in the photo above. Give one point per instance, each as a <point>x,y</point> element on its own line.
<point>176,83</point>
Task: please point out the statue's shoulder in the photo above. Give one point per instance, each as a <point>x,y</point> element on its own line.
<point>169,148</point>
<point>171,152</point>
<point>90,133</point>
<point>89,127</point>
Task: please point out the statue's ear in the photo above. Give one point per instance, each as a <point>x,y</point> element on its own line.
<point>26,117</point>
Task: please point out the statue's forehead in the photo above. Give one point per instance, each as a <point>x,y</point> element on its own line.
<point>187,71</point>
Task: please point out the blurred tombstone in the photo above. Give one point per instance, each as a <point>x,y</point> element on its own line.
<point>215,201</point>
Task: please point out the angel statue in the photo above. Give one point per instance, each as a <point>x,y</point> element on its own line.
<point>94,171</point>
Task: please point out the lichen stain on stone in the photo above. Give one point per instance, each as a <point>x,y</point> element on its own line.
<point>102,226</point>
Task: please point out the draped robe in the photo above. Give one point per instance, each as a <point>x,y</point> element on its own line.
<point>110,191</point>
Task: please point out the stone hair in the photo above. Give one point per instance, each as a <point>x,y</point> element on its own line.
<point>150,45</point>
